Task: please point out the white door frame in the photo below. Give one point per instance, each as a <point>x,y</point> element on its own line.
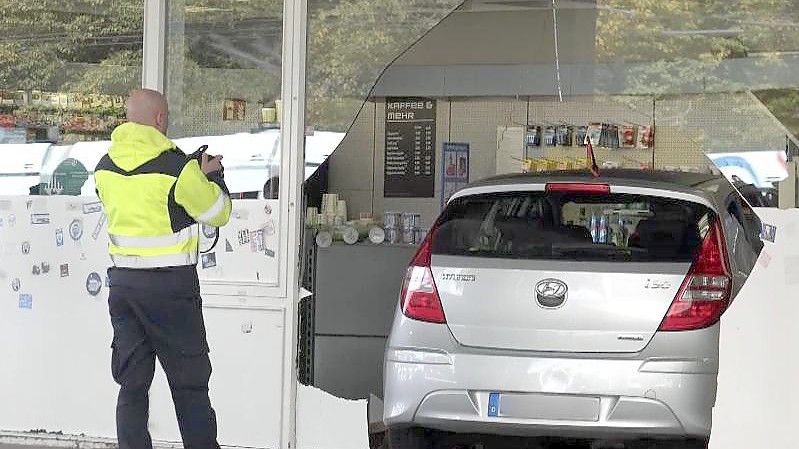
<point>154,45</point>
<point>291,173</point>
<point>295,20</point>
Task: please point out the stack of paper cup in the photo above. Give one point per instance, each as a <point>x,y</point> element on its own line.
<point>330,210</point>
<point>312,217</point>
<point>410,227</point>
<point>392,224</point>
<point>341,210</point>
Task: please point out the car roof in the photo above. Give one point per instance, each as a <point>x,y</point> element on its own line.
<point>709,186</point>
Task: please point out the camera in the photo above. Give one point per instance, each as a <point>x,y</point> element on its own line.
<point>198,155</point>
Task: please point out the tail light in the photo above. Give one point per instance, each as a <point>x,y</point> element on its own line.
<point>705,292</point>
<point>578,187</point>
<point>419,298</point>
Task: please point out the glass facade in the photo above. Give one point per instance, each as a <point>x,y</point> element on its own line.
<point>65,71</point>
<point>223,79</point>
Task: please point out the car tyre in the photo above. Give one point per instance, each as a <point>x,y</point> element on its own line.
<point>412,438</point>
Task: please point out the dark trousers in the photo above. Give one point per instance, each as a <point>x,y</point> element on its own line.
<point>158,313</point>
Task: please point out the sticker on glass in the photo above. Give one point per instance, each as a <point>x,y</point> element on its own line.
<point>36,270</point>
<point>209,260</point>
<point>64,267</point>
<point>209,231</point>
<point>59,237</point>
<point>25,301</point>
<point>15,284</point>
<point>269,228</point>
<point>94,283</point>
<point>40,219</point>
<point>92,208</point>
<point>12,220</point>
<point>244,237</point>
<point>45,267</point>
<point>99,227</point>
<point>228,246</point>
<point>26,248</point>
<point>769,233</point>
<point>257,241</point>
<point>76,229</point>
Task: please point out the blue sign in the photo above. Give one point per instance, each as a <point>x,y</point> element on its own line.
<point>493,405</point>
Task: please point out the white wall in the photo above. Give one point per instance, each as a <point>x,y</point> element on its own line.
<point>756,406</point>
<point>56,355</point>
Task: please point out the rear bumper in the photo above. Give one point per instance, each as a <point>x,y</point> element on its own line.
<point>557,396</point>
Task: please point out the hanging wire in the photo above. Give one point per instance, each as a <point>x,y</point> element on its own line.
<point>557,51</point>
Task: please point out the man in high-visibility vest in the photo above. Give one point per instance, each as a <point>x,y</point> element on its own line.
<point>154,196</point>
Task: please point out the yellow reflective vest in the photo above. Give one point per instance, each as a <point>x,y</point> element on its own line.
<point>154,196</point>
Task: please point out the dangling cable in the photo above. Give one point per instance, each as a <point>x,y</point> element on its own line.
<point>557,50</point>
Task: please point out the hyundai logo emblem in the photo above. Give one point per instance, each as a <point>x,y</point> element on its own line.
<point>551,293</point>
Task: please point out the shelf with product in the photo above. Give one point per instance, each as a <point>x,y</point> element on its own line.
<point>603,135</point>
<point>563,146</point>
<point>54,116</point>
<point>330,225</point>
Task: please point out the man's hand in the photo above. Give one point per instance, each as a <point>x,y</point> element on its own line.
<point>210,164</point>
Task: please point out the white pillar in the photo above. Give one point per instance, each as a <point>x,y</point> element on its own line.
<point>292,138</point>
<point>153,62</point>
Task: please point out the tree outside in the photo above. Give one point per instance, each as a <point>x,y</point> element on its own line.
<point>231,48</point>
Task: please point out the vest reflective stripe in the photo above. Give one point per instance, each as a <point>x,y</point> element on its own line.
<point>177,238</point>
<point>167,260</point>
<point>214,210</point>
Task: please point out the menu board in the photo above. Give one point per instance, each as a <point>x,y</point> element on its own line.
<point>410,148</point>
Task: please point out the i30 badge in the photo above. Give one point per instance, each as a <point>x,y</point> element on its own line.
<point>551,293</point>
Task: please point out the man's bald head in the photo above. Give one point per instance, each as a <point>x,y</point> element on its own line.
<point>148,107</point>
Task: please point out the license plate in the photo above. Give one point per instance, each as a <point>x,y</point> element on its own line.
<point>493,405</point>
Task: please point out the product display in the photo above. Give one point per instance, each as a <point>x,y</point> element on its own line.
<point>533,138</point>
<point>393,235</point>
<point>627,136</point>
<point>549,136</point>
<point>565,137</point>
<point>392,220</point>
<point>324,239</point>
<point>377,235</point>
<point>646,137</point>
<point>594,133</point>
<point>411,220</point>
<point>350,235</point>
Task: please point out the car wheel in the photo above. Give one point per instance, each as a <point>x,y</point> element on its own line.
<point>412,438</point>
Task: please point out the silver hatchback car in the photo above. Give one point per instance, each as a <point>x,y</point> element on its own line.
<point>558,304</point>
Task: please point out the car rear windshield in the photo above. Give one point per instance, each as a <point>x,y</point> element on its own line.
<point>572,226</point>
